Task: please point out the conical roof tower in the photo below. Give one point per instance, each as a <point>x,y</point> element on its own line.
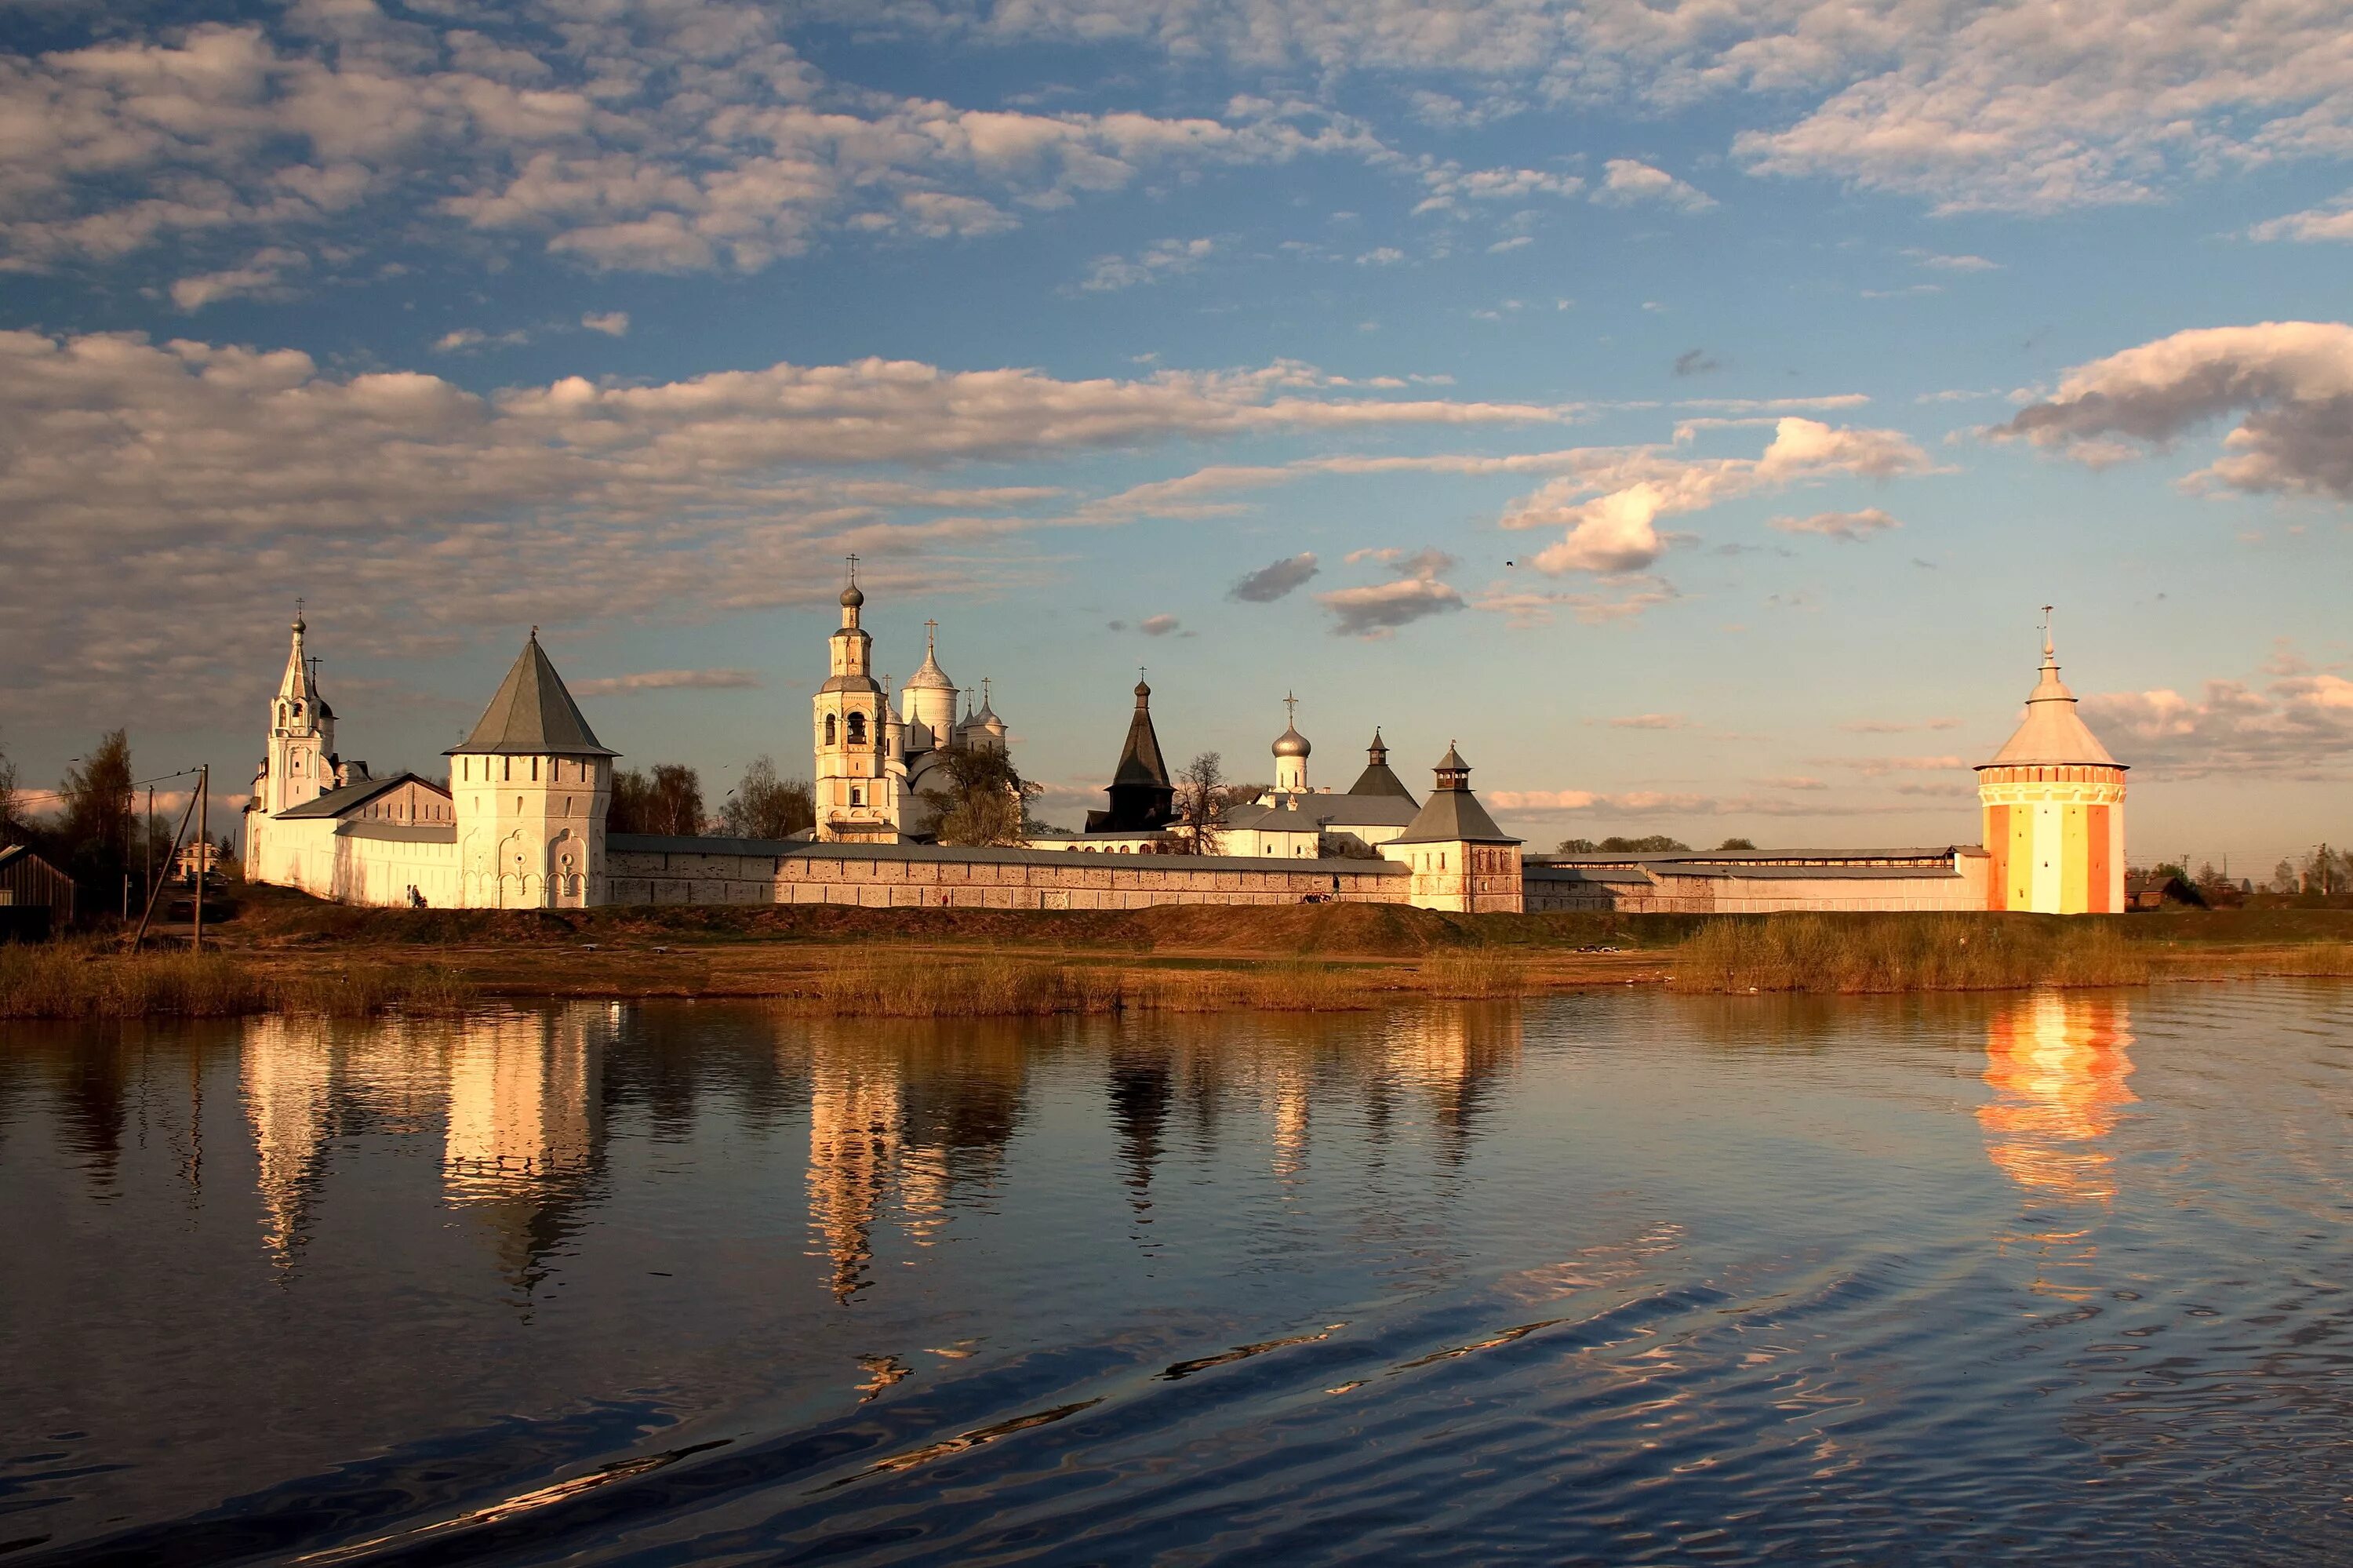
<point>532,714</point>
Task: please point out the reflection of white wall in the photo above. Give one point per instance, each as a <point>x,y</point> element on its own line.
<point>520,1104</point>
<point>285,1073</point>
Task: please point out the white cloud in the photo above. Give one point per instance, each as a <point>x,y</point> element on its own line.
<point>2299,727</point>
<point>261,277</point>
<point>612,324</point>
<point>1650,721</point>
<point>1848,526</point>
<point>2291,384</point>
<point>2333,222</point>
<point>1622,599</point>
<point>1162,258</point>
<point>1609,505</point>
<point>665,680</point>
<point>1378,610</point>
<point>464,339</point>
<point>650,139</point>
<point>1628,181</point>
<point>1158,625</point>
<point>215,479</point>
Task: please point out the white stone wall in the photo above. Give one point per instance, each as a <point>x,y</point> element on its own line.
<point>1066,881</point>
<point>531,830</point>
<point>314,854</point>
<point>1667,893</point>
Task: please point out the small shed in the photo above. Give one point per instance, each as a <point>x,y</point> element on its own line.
<point>2155,890</point>
<point>36,898</point>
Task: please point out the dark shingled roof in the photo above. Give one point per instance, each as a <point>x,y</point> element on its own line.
<point>532,715</point>
<point>337,802</point>
<point>1377,780</point>
<point>1452,814</point>
<point>1139,759</point>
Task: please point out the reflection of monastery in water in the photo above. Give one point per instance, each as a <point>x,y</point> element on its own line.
<point>517,1096</point>
<point>2056,1066</point>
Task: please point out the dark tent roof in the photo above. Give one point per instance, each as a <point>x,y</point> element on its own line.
<point>1377,778</point>
<point>1139,759</point>
<point>1452,814</point>
<point>533,714</point>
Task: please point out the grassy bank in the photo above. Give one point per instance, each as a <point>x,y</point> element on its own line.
<point>910,987</point>
<point>71,980</point>
<point>1862,953</point>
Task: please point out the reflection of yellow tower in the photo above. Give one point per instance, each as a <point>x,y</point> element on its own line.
<point>2057,1064</point>
<point>1292,1091</point>
<point>2054,809</point>
<point>856,1126</point>
<point>286,1073</point>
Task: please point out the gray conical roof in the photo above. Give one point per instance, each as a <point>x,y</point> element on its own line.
<point>532,714</point>
<point>1377,778</point>
<point>1452,814</point>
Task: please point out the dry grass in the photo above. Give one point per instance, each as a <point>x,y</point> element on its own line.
<point>1857,953</point>
<point>1477,973</point>
<point>75,981</point>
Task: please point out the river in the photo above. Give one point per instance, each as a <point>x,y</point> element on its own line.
<point>1624,1276</point>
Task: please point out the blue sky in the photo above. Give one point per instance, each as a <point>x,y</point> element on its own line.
<point>1686,408</point>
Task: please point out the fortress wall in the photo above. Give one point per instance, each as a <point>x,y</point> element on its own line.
<point>939,880</point>
<point>1668,893</point>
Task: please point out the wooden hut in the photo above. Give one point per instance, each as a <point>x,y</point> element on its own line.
<point>36,898</point>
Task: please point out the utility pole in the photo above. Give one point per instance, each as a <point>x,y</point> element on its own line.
<point>204,805</point>
<point>147,845</point>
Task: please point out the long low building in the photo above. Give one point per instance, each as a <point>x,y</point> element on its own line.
<point>644,869</point>
<point>1729,882</point>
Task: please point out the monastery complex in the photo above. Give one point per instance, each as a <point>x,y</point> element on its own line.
<point>520,822</point>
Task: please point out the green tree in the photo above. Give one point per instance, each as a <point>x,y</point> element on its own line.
<point>985,803</point>
<point>1577,846</point>
<point>2284,877</point>
<point>763,806</point>
<point>96,833</point>
<point>1737,845</point>
<point>1657,844</point>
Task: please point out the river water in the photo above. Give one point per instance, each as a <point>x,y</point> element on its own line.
<point>1615,1277</point>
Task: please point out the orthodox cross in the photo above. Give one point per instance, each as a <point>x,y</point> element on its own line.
<point>984,691</point>
<point>931,632</point>
<point>1290,710</point>
<point>853,569</point>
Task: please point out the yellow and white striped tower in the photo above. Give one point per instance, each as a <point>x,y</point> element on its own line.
<point>2054,808</point>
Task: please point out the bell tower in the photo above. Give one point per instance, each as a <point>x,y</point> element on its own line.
<point>857,791</point>
<point>298,766</point>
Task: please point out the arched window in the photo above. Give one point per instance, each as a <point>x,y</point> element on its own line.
<point>829,729</point>
<point>857,729</point>
<point>857,797</point>
<point>535,770</point>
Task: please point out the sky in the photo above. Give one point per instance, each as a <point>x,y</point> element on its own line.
<point>1684,408</point>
